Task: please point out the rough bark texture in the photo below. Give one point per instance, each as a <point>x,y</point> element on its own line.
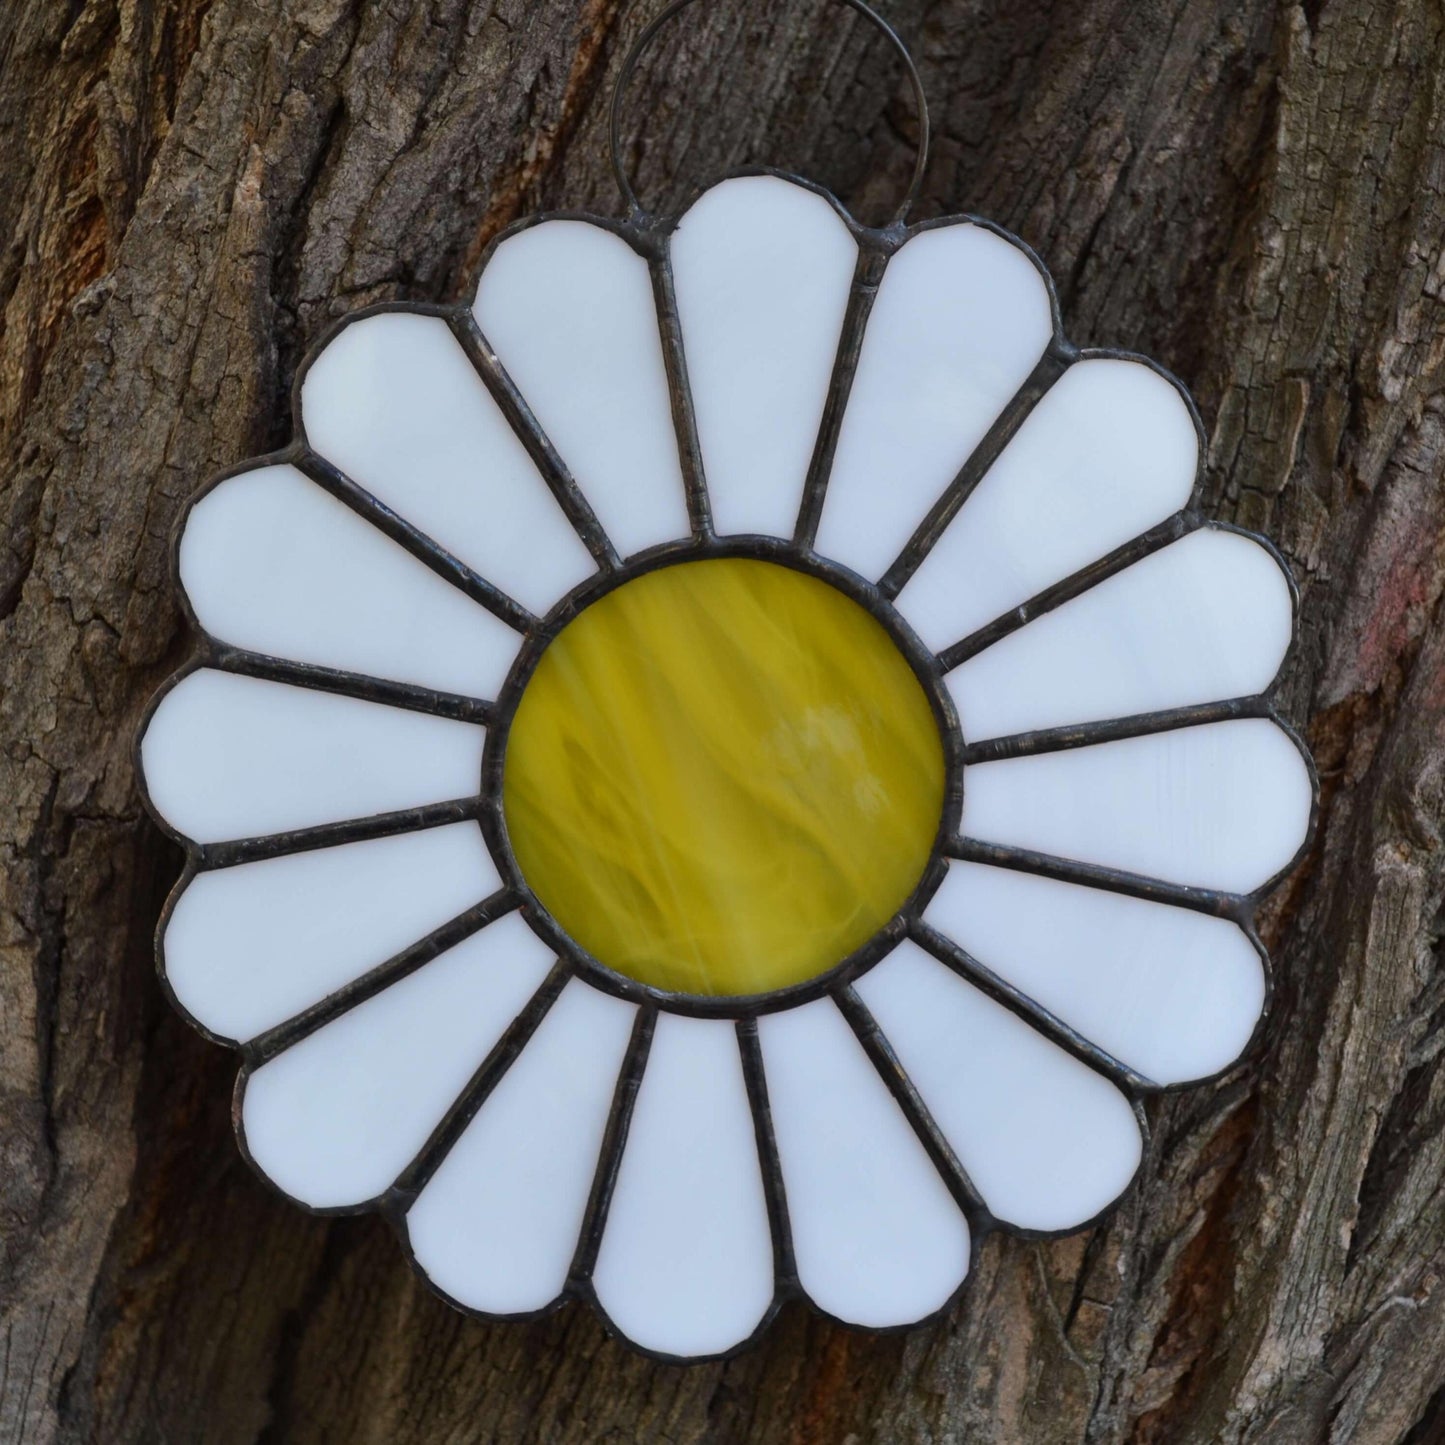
<point>1249,191</point>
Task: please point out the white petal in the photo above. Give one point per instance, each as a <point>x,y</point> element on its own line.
<point>877,1237</point>
<point>962,318</point>
<point>568,308</point>
<point>336,1118</point>
<point>1110,451</point>
<point>1222,806</point>
<point>272,563</point>
<point>497,1226</point>
<point>686,1263</point>
<point>250,946</point>
<point>1172,993</point>
<point>763,270</point>
<point>395,403</point>
<point>1207,618</point>
<point>1046,1140</point>
<point>235,757</point>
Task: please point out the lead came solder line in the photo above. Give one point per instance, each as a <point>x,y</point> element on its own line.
<point>1018,1003</point>
<point>684,418</point>
<point>1171,530</point>
<point>785,1270</point>
<point>503,1054</point>
<point>905,1093</point>
<point>867,277</point>
<point>449,568</point>
<point>1232,906</point>
<point>235,851</point>
<point>1137,725</point>
<point>528,430</point>
<point>362,686</point>
<point>614,1141</point>
<point>1057,358</point>
<point>280,1038</point>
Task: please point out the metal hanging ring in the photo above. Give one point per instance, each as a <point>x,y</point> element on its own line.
<point>629,64</point>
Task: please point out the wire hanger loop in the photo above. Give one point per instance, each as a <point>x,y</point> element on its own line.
<point>643,41</point>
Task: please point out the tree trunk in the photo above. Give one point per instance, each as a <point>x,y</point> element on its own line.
<point>1252,193</point>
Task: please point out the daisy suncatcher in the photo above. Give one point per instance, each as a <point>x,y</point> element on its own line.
<point>724,769</point>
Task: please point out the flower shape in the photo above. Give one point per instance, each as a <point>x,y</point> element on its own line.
<point>724,771</point>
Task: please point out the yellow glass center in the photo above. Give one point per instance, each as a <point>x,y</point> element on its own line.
<point>723,777</point>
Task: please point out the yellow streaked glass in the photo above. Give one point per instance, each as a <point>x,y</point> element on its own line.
<point>723,777</point>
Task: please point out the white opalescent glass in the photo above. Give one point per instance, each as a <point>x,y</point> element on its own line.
<point>248,947</point>
<point>567,306</point>
<point>497,1225</point>
<point>877,1237</point>
<point>1206,618</point>
<point>1108,452</point>
<point>686,1263</point>
<point>274,564</point>
<point>1047,1142</point>
<point>1225,805</point>
<point>226,756</point>
<point>961,319</point>
<point>335,1119</point>
<point>1174,994</point>
<point>763,269</point>
<point>394,402</point>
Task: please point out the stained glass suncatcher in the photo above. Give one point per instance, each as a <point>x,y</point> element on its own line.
<point>723,771</point>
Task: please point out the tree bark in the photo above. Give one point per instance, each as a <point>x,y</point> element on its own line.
<point>1251,192</point>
